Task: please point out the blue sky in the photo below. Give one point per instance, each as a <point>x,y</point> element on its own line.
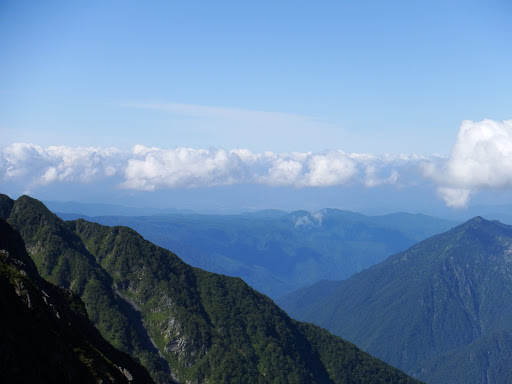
<point>334,79</point>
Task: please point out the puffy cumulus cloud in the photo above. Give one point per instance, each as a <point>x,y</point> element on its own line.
<point>481,158</point>
<point>373,180</point>
<point>330,169</point>
<point>454,197</point>
<point>41,166</point>
<point>154,168</point>
<point>333,168</point>
<point>400,170</point>
<point>150,168</point>
<point>283,171</point>
<point>19,159</point>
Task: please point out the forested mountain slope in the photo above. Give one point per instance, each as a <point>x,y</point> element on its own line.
<point>442,310</point>
<point>46,336</point>
<point>182,323</point>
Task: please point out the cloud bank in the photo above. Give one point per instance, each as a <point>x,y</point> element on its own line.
<point>481,158</point>
<point>148,169</point>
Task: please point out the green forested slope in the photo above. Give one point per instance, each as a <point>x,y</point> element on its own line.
<point>62,259</point>
<point>45,334</point>
<point>183,323</point>
<point>441,309</point>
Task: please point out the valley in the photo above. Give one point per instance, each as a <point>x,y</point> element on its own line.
<point>201,327</point>
<point>278,252</point>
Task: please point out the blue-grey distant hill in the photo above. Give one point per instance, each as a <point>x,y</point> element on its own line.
<point>278,252</point>
<point>102,209</point>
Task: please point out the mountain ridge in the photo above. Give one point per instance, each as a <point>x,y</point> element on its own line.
<point>206,327</point>
<point>443,295</point>
<point>45,332</point>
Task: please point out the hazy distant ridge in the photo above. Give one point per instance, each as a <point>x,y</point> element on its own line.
<point>277,252</point>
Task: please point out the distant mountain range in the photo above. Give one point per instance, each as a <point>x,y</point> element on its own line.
<point>181,323</point>
<point>278,252</point>
<point>490,211</point>
<point>100,209</point>
<point>441,311</point>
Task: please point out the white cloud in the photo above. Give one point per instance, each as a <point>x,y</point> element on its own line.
<point>283,171</point>
<point>36,165</point>
<point>151,168</point>
<point>372,180</point>
<point>19,159</point>
<point>154,168</point>
<point>454,197</point>
<point>311,219</point>
<point>333,168</point>
<point>481,159</point>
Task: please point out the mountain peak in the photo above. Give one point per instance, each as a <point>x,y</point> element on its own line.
<point>485,227</point>
<point>436,304</point>
<point>479,220</point>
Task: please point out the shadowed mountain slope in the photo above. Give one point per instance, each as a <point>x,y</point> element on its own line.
<point>442,310</point>
<point>45,333</point>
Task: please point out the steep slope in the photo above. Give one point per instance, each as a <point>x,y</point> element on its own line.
<point>46,335</point>
<point>444,301</point>
<point>204,327</point>
<point>486,360</point>
<point>62,259</point>
<point>277,252</point>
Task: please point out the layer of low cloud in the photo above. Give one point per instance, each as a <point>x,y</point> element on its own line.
<point>481,159</point>
<point>148,169</point>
